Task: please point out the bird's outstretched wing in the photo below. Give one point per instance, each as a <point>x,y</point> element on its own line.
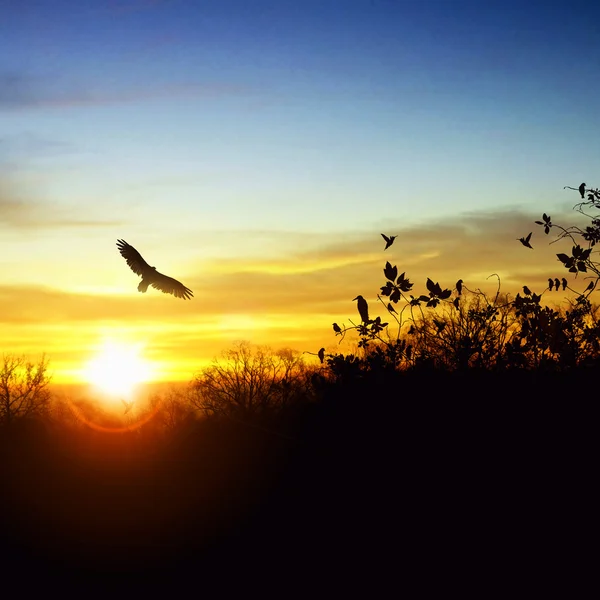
<point>168,285</point>
<point>150,276</point>
<point>134,259</point>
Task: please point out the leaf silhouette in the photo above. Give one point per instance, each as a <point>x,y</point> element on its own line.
<point>390,272</point>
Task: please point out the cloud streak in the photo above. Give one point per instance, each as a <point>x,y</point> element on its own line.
<point>22,215</point>
<point>21,92</point>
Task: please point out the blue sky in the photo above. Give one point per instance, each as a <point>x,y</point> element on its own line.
<point>290,131</point>
<point>293,100</point>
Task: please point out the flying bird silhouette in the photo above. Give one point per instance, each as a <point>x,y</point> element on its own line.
<point>128,405</point>
<point>363,308</point>
<point>525,241</point>
<point>150,276</point>
<point>321,354</point>
<point>388,240</point>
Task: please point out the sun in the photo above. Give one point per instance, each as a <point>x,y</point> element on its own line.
<point>118,368</point>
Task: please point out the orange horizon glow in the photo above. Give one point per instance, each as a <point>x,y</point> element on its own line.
<point>290,302</point>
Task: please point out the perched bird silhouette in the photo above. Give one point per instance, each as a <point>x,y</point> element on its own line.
<point>459,286</point>
<point>363,308</point>
<point>388,240</point>
<point>564,283</point>
<point>550,283</point>
<point>526,291</point>
<point>150,276</point>
<point>582,190</point>
<point>128,405</point>
<point>337,328</point>
<point>557,284</point>
<point>321,354</point>
<point>525,241</point>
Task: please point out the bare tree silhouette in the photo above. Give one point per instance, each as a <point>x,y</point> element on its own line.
<point>150,276</point>
<point>23,388</point>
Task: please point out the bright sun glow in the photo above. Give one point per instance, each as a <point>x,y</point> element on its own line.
<point>117,369</point>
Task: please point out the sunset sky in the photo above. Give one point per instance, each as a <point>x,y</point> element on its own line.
<point>256,150</point>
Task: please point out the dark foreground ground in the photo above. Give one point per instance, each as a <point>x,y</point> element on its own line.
<point>417,486</point>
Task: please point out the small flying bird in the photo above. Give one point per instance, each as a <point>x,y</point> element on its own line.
<point>363,308</point>
<point>582,190</point>
<point>150,276</point>
<point>564,283</point>
<point>128,405</point>
<point>388,240</point>
<point>557,284</point>
<point>321,354</point>
<point>525,241</point>
<point>337,328</point>
<point>526,291</point>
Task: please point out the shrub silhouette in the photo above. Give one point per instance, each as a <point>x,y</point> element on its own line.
<point>460,328</point>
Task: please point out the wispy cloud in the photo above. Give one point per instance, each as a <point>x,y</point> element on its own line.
<point>132,6</point>
<point>21,92</point>
<point>472,247</point>
<point>27,145</point>
<point>20,214</point>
